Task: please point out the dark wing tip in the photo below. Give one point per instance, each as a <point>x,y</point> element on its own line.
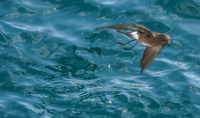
<point>119,26</point>
<point>141,72</point>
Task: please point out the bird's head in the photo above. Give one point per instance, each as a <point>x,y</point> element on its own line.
<point>165,39</point>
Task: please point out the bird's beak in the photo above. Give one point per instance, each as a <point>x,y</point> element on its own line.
<point>168,44</point>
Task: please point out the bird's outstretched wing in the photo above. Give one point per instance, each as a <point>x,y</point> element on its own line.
<point>149,54</point>
<point>129,26</point>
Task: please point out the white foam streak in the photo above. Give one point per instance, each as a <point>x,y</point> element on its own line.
<point>49,29</point>
<point>181,65</point>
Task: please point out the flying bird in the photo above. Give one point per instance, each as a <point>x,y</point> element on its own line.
<point>154,41</point>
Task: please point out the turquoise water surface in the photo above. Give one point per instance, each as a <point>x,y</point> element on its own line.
<point>53,64</point>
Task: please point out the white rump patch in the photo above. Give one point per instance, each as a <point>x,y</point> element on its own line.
<point>134,35</point>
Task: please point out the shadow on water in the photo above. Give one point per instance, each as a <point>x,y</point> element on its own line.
<point>77,66</point>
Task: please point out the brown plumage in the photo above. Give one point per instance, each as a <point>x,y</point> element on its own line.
<point>154,41</point>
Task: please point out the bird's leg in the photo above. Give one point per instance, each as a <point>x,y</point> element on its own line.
<point>131,47</point>
<point>125,43</point>
<point>127,33</point>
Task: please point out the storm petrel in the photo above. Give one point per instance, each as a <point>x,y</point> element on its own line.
<point>153,40</point>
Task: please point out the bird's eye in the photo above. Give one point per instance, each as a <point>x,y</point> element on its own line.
<point>140,31</point>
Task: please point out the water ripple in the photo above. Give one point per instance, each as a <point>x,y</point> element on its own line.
<point>53,63</point>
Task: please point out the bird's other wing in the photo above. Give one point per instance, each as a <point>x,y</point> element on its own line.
<point>149,54</point>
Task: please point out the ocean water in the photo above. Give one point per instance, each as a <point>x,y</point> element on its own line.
<point>53,64</point>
